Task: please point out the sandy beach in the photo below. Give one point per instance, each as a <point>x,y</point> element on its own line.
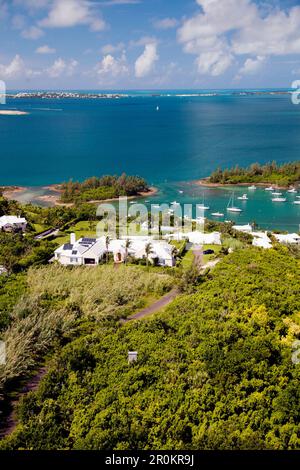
<point>8,112</point>
<point>12,192</point>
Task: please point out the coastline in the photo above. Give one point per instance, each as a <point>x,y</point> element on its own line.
<point>9,192</point>
<point>205,182</point>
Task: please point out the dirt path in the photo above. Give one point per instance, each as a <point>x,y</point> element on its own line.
<point>158,305</point>
<point>10,420</point>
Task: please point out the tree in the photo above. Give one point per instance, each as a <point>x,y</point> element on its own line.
<point>148,252</point>
<point>127,246</point>
<point>107,242</point>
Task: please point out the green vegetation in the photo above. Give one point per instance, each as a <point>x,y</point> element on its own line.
<point>53,302</point>
<point>271,173</point>
<point>214,371</point>
<point>106,187</point>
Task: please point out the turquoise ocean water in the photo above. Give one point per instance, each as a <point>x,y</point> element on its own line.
<point>183,141</point>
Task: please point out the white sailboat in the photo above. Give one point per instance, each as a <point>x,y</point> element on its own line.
<point>231,207</point>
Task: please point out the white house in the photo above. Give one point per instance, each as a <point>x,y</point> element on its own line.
<point>292,238</point>
<point>10,223</point>
<point>90,251</point>
<point>198,238</point>
<point>261,240</point>
<point>86,251</point>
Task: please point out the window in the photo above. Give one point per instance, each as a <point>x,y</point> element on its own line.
<point>74,260</point>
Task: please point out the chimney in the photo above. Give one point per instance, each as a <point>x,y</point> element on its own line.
<point>73,238</point>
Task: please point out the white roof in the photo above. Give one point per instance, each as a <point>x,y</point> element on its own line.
<point>199,238</point>
<point>243,228</point>
<point>11,220</point>
<point>261,239</point>
<point>287,238</point>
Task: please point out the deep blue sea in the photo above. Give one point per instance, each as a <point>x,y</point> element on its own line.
<point>184,140</point>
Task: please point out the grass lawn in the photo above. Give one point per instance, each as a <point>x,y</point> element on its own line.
<point>187,259</point>
<point>216,248</point>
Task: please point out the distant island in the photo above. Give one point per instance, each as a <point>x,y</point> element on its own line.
<point>52,95</point>
<point>57,95</point>
<point>283,175</point>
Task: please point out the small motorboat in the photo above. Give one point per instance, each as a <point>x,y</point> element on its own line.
<point>219,214</point>
<point>270,188</point>
<point>244,197</point>
<point>296,202</point>
<point>203,207</point>
<point>252,187</point>
<point>279,199</point>
<point>292,191</point>
<point>174,203</point>
<point>276,194</point>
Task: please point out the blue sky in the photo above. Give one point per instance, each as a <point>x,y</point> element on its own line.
<point>140,44</point>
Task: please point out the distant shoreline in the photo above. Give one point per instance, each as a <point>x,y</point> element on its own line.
<point>205,182</point>
<point>9,192</point>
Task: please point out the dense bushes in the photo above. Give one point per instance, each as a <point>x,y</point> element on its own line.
<point>283,175</point>
<point>213,372</point>
<point>106,187</point>
<point>59,300</point>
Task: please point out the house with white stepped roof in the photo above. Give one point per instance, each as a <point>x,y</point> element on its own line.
<point>91,251</point>
<point>12,223</point>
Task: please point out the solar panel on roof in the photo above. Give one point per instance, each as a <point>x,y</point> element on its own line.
<point>88,240</point>
<point>68,246</point>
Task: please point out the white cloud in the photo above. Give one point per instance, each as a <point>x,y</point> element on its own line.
<point>45,50</point>
<point>13,69</point>
<point>213,63</point>
<point>225,29</point>
<point>32,33</point>
<point>111,67</point>
<point>251,66</point>
<point>68,13</point>
<point>111,49</point>
<point>60,67</point>
<point>145,63</point>
<point>166,23</point>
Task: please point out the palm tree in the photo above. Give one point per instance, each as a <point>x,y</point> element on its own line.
<point>107,242</point>
<point>148,251</point>
<point>127,246</point>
